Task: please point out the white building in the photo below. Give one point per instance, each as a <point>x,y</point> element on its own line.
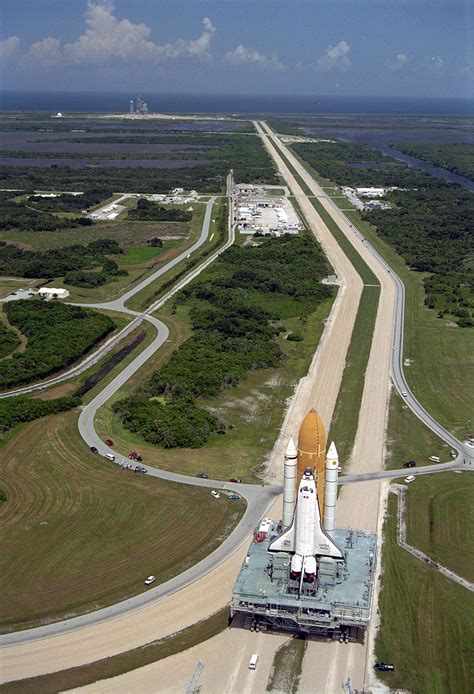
<point>371,192</point>
<point>51,293</point>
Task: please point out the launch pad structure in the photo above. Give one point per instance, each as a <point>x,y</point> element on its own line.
<point>301,574</point>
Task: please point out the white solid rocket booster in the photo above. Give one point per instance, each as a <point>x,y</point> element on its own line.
<point>330,490</point>
<point>289,483</point>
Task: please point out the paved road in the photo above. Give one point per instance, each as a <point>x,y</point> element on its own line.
<point>119,305</point>
<point>258,499</point>
<point>466,454</point>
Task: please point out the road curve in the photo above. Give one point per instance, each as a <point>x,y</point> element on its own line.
<point>119,305</point>
<point>258,498</point>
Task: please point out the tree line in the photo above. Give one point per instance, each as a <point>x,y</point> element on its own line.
<point>81,265</point>
<point>18,215</point>
<point>58,334</point>
<point>20,409</point>
<point>429,223</point>
<point>148,211</point>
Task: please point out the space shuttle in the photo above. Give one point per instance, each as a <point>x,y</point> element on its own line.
<point>309,513</point>
<point>305,537</point>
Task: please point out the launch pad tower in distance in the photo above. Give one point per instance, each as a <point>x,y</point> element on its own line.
<point>301,574</point>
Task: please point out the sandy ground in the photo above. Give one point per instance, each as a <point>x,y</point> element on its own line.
<point>226,655</point>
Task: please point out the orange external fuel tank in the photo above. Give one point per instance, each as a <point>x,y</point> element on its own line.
<point>312,452</point>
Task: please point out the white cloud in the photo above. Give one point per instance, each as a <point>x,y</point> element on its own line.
<point>336,58</point>
<point>47,52</point>
<point>400,61</point>
<point>248,56</point>
<point>9,46</point>
<point>109,40</point>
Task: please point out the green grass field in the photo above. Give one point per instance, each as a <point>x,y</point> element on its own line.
<point>409,439</point>
<point>344,424</point>
<point>427,624</point>
<point>79,532</point>
<point>440,519</point>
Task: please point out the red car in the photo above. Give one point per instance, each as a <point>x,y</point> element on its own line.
<point>233,479</point>
<point>109,442</point>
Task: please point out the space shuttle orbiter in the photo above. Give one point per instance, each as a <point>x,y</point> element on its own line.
<point>305,537</point>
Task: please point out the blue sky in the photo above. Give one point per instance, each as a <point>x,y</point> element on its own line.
<point>357,47</point>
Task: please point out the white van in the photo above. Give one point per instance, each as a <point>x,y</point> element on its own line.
<point>253,662</point>
<point>109,456</point>
<point>409,479</point>
<point>435,459</point>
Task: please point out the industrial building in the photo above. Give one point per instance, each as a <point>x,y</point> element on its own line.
<point>52,293</point>
<point>258,212</point>
<point>301,574</point>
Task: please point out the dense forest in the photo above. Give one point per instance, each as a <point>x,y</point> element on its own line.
<point>8,341</point>
<point>358,165</point>
<point>433,231</point>
<point>57,335</point>
<point>17,410</point>
<point>82,266</point>
<point>429,225</point>
<point>147,211</point>
<point>235,311</point>
<point>458,158</point>
<point>20,215</point>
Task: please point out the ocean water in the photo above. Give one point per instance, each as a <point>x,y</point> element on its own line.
<point>98,102</point>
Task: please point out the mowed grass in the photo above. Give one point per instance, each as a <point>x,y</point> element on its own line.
<point>409,439</point>
<point>252,412</point>
<point>440,519</point>
<point>427,624</point>
<point>344,422</point>
<point>79,533</point>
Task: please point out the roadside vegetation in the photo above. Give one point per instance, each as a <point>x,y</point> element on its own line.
<point>57,335</point>
<point>287,666</point>
<point>234,312</point>
<point>458,158</point>
<point>121,526</point>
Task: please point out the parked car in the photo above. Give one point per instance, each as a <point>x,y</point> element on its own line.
<point>202,475</point>
<point>215,494</point>
<point>150,580</point>
<point>109,442</point>
<point>453,454</point>
<point>135,456</point>
<point>409,479</point>
<point>384,667</point>
<point>94,449</point>
<point>233,497</point>
<point>235,480</point>
<point>110,456</point>
<point>409,463</point>
<point>140,468</point>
